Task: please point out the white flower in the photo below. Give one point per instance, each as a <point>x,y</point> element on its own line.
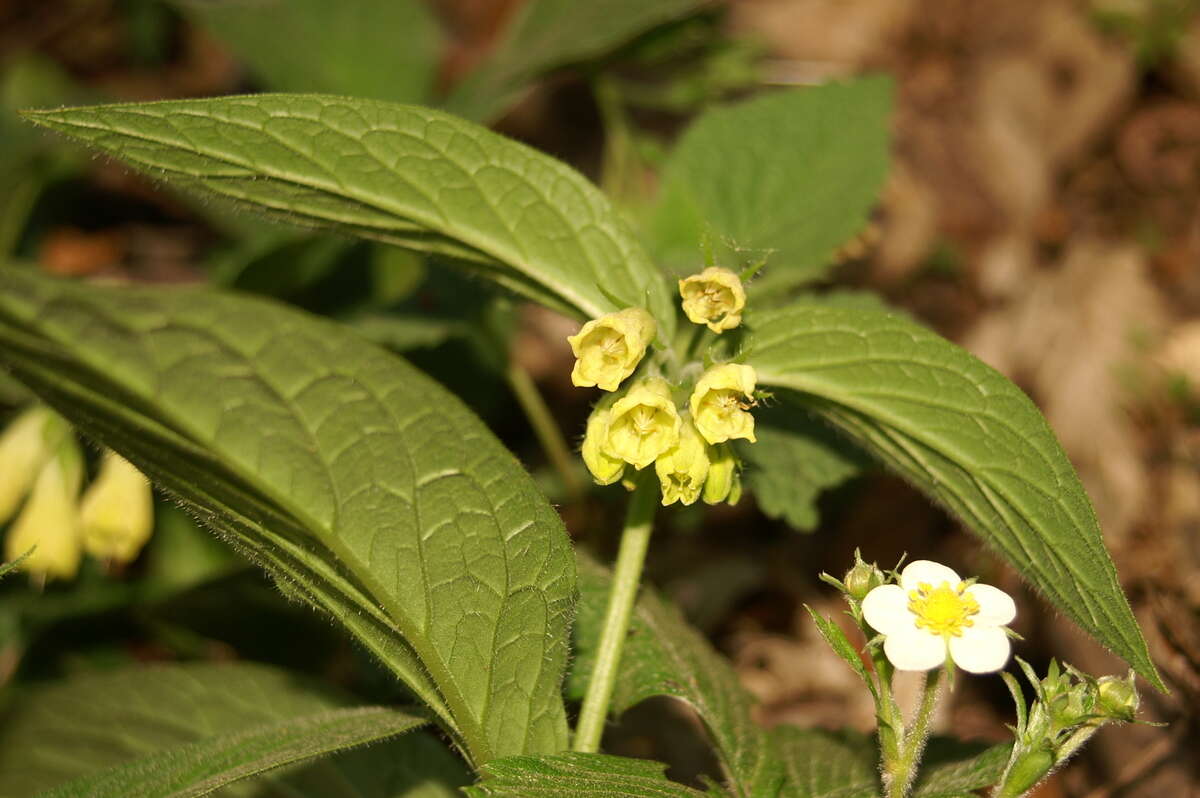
<point>932,611</point>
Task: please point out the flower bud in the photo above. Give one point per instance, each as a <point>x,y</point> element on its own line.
<point>1118,698</point>
<point>605,468</point>
<point>1029,768</point>
<point>116,513</point>
<point>713,297</point>
<point>609,348</point>
<point>643,424</point>
<point>722,473</point>
<point>682,469</point>
<point>720,400</point>
<point>25,446</point>
<point>862,578</point>
<point>49,520</point>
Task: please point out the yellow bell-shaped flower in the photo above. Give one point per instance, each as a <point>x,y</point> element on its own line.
<point>605,468</point>
<point>720,400</point>
<point>116,514</point>
<point>714,297</point>
<point>49,520</point>
<point>25,446</point>
<point>722,474</point>
<point>682,470</point>
<point>609,348</point>
<point>643,423</point>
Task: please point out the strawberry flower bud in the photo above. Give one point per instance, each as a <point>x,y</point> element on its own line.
<point>117,511</point>
<point>714,297</point>
<point>644,423</point>
<point>720,400</point>
<point>609,348</point>
<point>682,470</point>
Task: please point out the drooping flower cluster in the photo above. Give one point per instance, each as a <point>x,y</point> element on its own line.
<point>674,420</point>
<point>41,473</point>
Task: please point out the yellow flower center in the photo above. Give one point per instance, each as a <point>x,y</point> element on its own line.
<point>642,419</point>
<point>612,345</point>
<point>943,610</point>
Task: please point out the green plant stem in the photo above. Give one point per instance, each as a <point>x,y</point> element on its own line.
<point>639,520</point>
<point>546,429</point>
<point>903,771</point>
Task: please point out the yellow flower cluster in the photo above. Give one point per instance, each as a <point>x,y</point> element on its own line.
<point>688,440</point>
<point>41,473</point>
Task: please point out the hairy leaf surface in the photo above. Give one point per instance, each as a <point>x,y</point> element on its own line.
<point>965,435</point>
<point>190,729</point>
<point>951,768</point>
<point>790,176</point>
<point>406,175</point>
<point>360,484</point>
<point>825,764</point>
<point>577,775</point>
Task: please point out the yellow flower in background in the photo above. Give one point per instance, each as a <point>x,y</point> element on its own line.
<point>643,423</point>
<point>609,348</point>
<point>720,401</point>
<point>722,475</point>
<point>116,513</point>
<point>682,469</point>
<point>49,519</point>
<point>714,297</point>
<point>605,468</point>
<point>25,446</point>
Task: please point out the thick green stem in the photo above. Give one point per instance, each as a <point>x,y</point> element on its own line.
<point>902,771</point>
<point>546,429</point>
<point>627,575</point>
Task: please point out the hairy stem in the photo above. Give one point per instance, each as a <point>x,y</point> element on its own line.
<point>626,577</point>
<point>546,429</point>
<point>902,771</point>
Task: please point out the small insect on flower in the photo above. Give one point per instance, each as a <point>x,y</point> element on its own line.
<point>714,297</point>
<point>720,402</point>
<point>933,614</point>
<point>609,348</point>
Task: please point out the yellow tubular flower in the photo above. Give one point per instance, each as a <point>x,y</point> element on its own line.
<point>720,401</point>
<point>25,447</point>
<point>722,470</point>
<point>609,348</point>
<point>116,513</point>
<point>644,423</point>
<point>49,520</point>
<point>605,468</point>
<point>713,297</point>
<point>682,470</point>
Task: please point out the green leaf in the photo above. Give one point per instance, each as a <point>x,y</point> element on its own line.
<point>361,485</point>
<point>577,775</point>
<point>964,434</point>
<point>663,656</point>
<point>406,175</point>
<point>795,459</point>
<point>383,49</point>
<point>825,764</point>
<point>841,645</point>
<point>790,175</point>
<point>128,732</point>
<point>548,34</point>
<point>951,768</point>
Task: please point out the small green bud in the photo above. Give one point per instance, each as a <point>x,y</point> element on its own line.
<point>862,578</point>
<point>644,423</point>
<point>609,348</point>
<point>1118,698</point>
<point>720,400</point>
<point>714,297</point>
<point>1029,768</point>
<point>116,513</point>
<point>605,468</point>
<point>722,473</point>
<point>49,519</point>
<point>682,470</point>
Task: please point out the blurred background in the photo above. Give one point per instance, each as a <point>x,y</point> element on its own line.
<point>1042,208</point>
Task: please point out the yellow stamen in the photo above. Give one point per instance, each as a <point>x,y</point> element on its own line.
<point>943,610</point>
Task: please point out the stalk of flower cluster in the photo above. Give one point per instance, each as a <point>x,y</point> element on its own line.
<point>627,574</point>
<point>548,433</point>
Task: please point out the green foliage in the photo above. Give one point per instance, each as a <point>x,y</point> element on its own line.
<point>954,769</point>
<point>548,34</point>
<point>577,775</point>
<point>382,49</point>
<point>967,436</point>
<point>824,764</point>
<point>789,176</point>
<point>664,656</point>
<point>795,459</point>
<point>190,729</point>
<point>405,175</point>
<point>841,645</point>
<point>361,485</point>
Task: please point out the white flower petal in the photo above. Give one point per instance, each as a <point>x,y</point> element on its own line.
<point>915,650</point>
<point>981,649</point>
<point>996,608</point>
<point>933,573</point>
<point>885,608</point>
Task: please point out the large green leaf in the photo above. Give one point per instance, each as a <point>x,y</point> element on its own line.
<point>548,34</point>
<point>825,764</point>
<point>790,174</point>
<point>964,434</point>
<point>360,484</point>
<point>577,776</point>
<point>663,656</point>
<point>121,733</point>
<point>383,49</point>
<point>951,768</point>
<point>402,174</point>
